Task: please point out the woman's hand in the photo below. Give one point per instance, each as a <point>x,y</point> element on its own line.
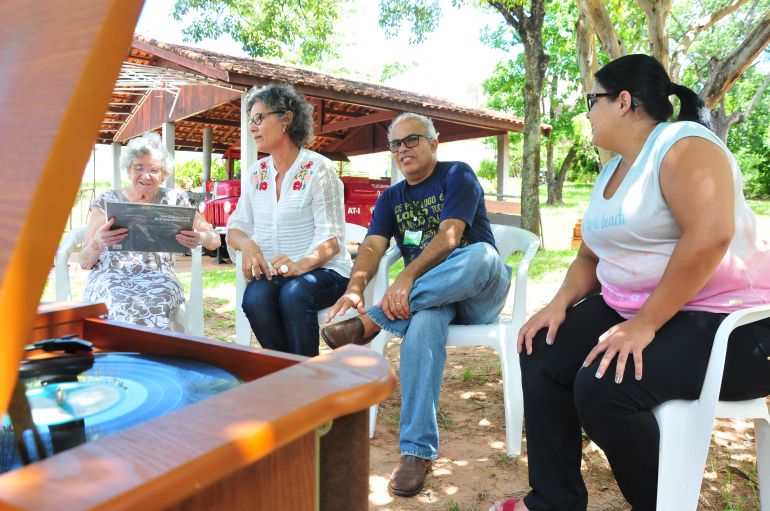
<point>190,239</point>
<point>252,258</point>
<point>627,338</point>
<point>285,267</point>
<point>550,316</point>
<point>105,236</point>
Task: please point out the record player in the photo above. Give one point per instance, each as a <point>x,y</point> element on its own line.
<point>257,446</point>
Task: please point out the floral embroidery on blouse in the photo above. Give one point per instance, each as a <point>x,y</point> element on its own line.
<point>260,177</point>
<point>303,176</point>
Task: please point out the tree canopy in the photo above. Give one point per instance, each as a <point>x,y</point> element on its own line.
<point>295,31</point>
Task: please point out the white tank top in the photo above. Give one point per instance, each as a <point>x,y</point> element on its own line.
<point>634,234</point>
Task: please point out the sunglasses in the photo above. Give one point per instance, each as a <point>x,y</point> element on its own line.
<point>409,141</point>
<point>258,118</point>
<point>593,97</point>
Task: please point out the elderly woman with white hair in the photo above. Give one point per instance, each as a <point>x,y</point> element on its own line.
<point>138,287</point>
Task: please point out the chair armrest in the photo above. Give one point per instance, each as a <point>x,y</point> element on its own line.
<point>381,278</point>
<point>61,263</point>
<point>713,380</point>
<point>519,313</point>
<point>242,326</point>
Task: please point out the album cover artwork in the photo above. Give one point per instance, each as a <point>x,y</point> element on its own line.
<point>151,227</point>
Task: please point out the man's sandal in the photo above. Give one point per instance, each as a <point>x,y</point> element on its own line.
<point>508,505</point>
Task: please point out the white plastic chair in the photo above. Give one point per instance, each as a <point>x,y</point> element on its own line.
<point>353,234</point>
<point>685,427</point>
<point>500,335</point>
<point>189,314</point>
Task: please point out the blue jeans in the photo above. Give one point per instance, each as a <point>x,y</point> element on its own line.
<point>283,311</point>
<point>469,288</point>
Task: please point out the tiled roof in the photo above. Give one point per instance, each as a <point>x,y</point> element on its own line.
<point>250,71</point>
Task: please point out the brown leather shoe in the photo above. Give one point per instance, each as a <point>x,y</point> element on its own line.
<point>409,476</point>
<point>350,331</point>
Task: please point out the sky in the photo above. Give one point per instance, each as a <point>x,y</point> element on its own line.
<point>451,63</point>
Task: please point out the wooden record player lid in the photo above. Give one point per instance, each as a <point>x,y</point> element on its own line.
<point>60,61</point>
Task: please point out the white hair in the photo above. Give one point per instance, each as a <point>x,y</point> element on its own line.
<point>430,130</point>
<point>149,143</point>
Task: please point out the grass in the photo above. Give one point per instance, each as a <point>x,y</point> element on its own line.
<point>546,263</point>
<point>760,207</point>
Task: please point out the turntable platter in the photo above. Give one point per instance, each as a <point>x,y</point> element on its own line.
<point>106,393</point>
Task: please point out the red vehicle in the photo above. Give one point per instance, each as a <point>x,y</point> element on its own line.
<point>360,195</point>
<point>222,196</point>
<point>221,199</point>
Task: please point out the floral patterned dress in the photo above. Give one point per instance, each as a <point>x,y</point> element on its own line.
<point>137,287</point>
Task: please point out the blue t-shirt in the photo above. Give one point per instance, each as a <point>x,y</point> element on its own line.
<point>412,213</point>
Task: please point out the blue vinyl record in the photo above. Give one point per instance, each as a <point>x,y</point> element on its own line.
<point>85,397</point>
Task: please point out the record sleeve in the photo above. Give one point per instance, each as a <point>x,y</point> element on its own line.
<point>151,227</point>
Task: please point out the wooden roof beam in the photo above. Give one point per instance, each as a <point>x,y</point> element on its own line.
<point>357,121</point>
<point>208,120</point>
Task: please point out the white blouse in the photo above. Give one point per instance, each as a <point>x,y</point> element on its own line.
<point>309,212</point>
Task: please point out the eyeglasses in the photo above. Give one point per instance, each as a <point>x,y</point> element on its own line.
<point>593,97</point>
<point>258,118</point>
<point>138,168</point>
<point>409,141</point>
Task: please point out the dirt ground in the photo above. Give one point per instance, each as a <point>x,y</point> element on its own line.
<point>473,469</point>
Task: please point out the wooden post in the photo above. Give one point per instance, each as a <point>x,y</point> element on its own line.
<point>248,146</point>
<point>207,137</point>
<point>503,163</point>
<point>116,165</point>
<point>168,131</point>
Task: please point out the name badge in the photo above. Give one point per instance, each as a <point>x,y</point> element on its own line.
<point>412,237</point>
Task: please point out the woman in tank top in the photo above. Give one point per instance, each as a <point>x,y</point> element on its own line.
<point>670,248</point>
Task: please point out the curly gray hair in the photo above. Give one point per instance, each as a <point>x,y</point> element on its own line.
<point>149,143</point>
<point>283,98</point>
<point>430,129</point>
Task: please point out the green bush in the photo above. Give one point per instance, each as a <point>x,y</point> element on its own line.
<point>189,175</point>
<point>756,179</point>
<point>488,170</point>
<point>585,167</point>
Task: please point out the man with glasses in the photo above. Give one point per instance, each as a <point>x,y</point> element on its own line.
<point>453,274</point>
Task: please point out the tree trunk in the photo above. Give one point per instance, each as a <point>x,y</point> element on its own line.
<point>720,122</point>
<point>723,74</point>
<point>530,30</point>
<point>657,12</point>
<point>602,25</point>
<point>593,18</point>
<point>695,29</point>
<point>550,182</point>
<point>588,63</point>
<point>566,164</point>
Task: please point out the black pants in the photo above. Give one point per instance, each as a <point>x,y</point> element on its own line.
<point>561,397</point>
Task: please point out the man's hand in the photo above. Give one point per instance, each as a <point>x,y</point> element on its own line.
<point>395,302</point>
<point>347,301</point>
<point>251,257</point>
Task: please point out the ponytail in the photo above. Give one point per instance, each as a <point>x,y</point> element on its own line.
<point>691,106</point>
